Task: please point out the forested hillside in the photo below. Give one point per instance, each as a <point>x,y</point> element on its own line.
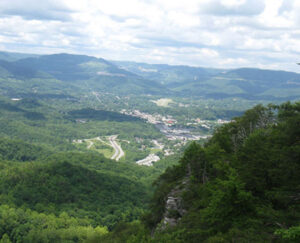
<point>71,72</point>
<point>69,75</point>
<point>246,83</point>
<point>149,121</point>
<point>66,197</point>
<point>91,152</point>
<point>243,185</point>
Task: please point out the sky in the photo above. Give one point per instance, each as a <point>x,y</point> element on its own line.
<point>207,33</point>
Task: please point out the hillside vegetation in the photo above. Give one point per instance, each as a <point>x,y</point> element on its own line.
<point>243,185</point>
<point>69,75</point>
<point>67,197</point>
<point>246,83</point>
<point>61,114</point>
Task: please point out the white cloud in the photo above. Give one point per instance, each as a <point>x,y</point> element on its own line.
<point>216,33</point>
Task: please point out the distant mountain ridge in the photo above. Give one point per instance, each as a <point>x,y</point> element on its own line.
<point>81,72</point>
<point>168,74</point>
<point>248,83</point>
<point>14,56</point>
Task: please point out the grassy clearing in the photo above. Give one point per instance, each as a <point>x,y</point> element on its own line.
<point>98,144</point>
<point>163,102</point>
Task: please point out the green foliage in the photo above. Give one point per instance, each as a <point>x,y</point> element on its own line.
<point>164,185</point>
<point>19,225</point>
<point>101,115</point>
<point>241,186</point>
<point>291,234</point>
<point>244,183</point>
<point>39,124</point>
<point>21,151</point>
<point>133,232</point>
<point>97,162</point>
<point>60,186</point>
<point>248,83</point>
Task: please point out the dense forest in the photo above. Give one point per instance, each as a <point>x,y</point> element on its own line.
<point>67,197</point>
<point>243,185</point>
<point>239,182</point>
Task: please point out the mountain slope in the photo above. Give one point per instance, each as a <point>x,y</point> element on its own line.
<point>248,83</point>
<point>85,185</point>
<point>241,186</point>
<point>94,73</point>
<point>14,56</point>
<point>80,73</point>
<point>169,75</point>
<point>244,184</point>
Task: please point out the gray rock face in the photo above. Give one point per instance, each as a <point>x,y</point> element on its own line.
<point>174,209</point>
<point>174,205</point>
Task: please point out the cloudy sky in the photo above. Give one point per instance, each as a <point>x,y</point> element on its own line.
<point>210,33</point>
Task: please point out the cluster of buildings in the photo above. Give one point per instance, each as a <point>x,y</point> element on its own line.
<point>165,125</point>
<point>149,160</point>
<point>220,121</point>
<point>153,119</point>
<point>206,123</point>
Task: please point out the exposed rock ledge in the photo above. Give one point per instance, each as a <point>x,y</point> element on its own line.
<point>174,205</point>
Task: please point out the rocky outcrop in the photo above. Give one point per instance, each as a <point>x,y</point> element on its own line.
<point>174,208</point>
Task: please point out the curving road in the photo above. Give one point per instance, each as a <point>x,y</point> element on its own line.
<point>118,150</point>
<point>118,154</point>
<point>91,143</point>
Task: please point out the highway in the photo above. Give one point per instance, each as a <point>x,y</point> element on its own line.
<point>119,153</point>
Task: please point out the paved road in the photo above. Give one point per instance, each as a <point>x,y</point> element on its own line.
<point>118,150</point>
<point>97,96</point>
<point>91,143</point>
<point>118,154</point>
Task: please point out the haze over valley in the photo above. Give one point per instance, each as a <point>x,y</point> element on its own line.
<point>149,121</point>
<point>180,103</point>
